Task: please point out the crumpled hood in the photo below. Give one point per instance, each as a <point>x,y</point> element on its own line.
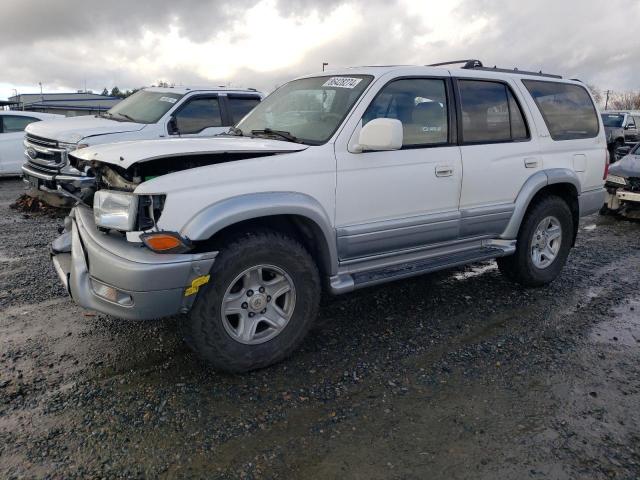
<point>74,129</point>
<point>628,166</point>
<point>125,154</point>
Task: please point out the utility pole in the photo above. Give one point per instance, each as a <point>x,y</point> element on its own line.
<point>324,64</point>
<point>606,102</point>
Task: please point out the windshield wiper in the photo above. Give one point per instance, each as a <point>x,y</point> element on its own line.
<point>278,133</point>
<point>124,115</point>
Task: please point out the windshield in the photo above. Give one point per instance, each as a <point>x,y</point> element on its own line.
<point>143,107</point>
<point>309,110</point>
<point>612,120</point>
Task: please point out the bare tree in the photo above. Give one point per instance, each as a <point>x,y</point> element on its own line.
<point>596,92</point>
<point>625,101</point>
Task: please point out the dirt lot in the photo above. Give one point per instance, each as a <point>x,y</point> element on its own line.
<point>455,375</point>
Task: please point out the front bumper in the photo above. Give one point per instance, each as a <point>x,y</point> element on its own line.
<point>57,183</point>
<point>148,285</point>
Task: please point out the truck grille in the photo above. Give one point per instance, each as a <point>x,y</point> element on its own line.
<point>44,153</point>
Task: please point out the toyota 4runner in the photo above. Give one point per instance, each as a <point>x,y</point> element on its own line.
<point>340,181</point>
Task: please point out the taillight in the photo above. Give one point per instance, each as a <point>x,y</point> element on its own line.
<point>606,165</point>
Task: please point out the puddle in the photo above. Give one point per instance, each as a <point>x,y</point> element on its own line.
<point>475,271</point>
<point>622,329</point>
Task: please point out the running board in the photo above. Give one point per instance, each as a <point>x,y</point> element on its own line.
<point>346,282</point>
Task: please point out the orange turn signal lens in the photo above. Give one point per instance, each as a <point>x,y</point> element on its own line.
<point>163,242</point>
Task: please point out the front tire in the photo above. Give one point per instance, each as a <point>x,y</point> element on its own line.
<point>543,244</point>
<point>258,306</point>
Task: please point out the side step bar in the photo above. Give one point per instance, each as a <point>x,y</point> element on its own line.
<point>346,282</point>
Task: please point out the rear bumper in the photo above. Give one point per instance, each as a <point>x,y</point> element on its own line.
<point>141,284</point>
<point>591,201</point>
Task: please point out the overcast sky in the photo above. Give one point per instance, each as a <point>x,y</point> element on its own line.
<point>69,43</point>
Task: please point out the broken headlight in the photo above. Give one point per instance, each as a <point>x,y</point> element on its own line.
<point>616,179</point>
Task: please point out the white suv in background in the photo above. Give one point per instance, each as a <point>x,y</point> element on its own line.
<point>150,113</point>
<point>12,125</point>
<point>337,180</point>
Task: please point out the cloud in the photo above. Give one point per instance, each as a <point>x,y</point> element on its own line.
<point>262,43</point>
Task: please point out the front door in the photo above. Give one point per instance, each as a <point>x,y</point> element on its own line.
<point>11,147</point>
<point>388,201</point>
<point>199,117</point>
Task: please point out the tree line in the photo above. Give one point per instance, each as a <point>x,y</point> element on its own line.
<point>612,100</point>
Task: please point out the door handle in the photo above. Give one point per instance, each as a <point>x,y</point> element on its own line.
<point>530,162</point>
<point>444,171</point>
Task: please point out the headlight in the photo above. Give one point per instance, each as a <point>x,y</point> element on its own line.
<point>115,210</point>
<point>616,179</point>
<point>70,147</point>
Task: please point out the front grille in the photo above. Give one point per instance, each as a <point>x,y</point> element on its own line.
<point>41,141</point>
<point>44,153</point>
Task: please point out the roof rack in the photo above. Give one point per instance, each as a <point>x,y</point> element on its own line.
<point>477,65</point>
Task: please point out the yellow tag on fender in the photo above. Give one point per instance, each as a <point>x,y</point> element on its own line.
<point>196,283</point>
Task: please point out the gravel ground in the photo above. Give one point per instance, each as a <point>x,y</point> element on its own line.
<point>459,374</point>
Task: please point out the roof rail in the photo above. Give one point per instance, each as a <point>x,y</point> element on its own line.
<point>477,65</point>
<point>467,63</point>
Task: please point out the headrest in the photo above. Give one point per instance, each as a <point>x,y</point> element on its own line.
<point>428,113</point>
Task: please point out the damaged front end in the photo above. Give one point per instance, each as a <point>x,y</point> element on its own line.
<point>623,186</point>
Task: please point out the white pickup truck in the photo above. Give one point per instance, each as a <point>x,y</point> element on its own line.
<point>339,181</point>
<point>150,113</point>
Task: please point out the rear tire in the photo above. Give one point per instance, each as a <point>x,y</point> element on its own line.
<point>540,254</point>
<point>256,336</point>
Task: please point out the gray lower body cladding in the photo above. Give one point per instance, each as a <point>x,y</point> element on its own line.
<point>144,285</point>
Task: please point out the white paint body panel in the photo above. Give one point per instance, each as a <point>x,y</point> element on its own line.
<point>11,148</point>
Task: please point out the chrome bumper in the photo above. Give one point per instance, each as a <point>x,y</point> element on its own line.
<point>76,181</point>
<point>144,285</point>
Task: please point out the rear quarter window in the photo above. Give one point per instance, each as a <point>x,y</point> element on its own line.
<point>567,109</point>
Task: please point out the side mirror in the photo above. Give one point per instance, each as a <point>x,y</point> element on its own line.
<point>630,126</point>
<point>380,134</point>
<point>172,126</point>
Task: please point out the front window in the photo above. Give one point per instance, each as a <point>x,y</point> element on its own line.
<point>143,107</point>
<point>308,110</point>
<point>612,120</point>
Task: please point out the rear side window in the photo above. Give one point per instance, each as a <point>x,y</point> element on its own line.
<point>15,123</point>
<point>567,109</point>
<point>240,106</point>
<point>198,114</point>
<point>490,113</point>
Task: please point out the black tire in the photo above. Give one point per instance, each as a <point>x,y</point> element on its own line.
<point>203,329</point>
<point>519,267</point>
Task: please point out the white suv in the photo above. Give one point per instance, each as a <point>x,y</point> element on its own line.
<point>150,113</point>
<point>339,180</point>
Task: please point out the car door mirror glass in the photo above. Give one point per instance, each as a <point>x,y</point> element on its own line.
<point>380,134</point>
<point>172,126</point>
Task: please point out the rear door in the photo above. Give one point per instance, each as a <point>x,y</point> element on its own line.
<point>236,106</point>
<point>498,153</point>
<point>11,138</point>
